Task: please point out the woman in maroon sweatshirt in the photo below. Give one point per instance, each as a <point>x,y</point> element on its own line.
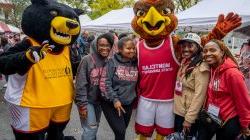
<point>228,101</point>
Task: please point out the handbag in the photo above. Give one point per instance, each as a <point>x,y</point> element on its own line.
<point>208,118</point>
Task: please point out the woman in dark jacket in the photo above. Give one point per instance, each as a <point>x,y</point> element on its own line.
<point>118,84</point>
<point>87,96</point>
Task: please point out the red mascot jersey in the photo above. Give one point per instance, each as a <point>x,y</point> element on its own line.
<point>157,71</point>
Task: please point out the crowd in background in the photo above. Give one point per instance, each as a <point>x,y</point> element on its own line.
<point>7,41</point>
<point>244,62</point>
<point>107,77</point>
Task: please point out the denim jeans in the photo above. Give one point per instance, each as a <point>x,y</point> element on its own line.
<point>91,124</point>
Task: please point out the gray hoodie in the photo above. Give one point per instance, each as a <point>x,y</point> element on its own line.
<point>119,79</point>
<point>87,78</point>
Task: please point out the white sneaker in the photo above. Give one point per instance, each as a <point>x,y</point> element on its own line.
<point>5,85</point>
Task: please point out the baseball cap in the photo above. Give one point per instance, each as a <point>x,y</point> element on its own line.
<point>191,37</point>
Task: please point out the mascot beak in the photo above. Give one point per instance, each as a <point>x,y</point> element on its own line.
<point>154,23</point>
<point>153,17</point>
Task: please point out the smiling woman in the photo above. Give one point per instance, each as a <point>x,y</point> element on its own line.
<point>87,90</point>
<point>191,85</point>
<point>227,100</point>
<point>215,52</point>
<point>117,84</point>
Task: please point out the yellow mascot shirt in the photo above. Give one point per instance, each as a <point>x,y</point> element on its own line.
<point>48,83</point>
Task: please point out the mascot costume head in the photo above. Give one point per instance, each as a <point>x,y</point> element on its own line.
<point>52,21</point>
<point>154,20</point>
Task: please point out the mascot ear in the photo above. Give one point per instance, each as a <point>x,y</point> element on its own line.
<point>41,2</point>
<point>79,11</point>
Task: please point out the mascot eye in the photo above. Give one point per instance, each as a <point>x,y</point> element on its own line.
<point>54,13</point>
<point>140,13</point>
<point>166,11</point>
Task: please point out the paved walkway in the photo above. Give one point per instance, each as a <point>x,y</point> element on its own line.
<point>73,128</point>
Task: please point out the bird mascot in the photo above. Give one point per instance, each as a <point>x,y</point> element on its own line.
<point>158,63</point>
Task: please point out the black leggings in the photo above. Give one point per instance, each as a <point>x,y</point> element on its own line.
<point>228,132</point>
<point>54,132</point>
<point>117,123</point>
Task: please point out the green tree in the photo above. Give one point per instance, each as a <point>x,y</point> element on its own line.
<point>80,4</point>
<point>73,3</point>
<point>16,14</point>
<point>101,7</point>
<point>182,5</point>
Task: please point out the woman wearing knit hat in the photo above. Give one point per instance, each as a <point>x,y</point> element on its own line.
<point>191,85</point>
<point>87,96</point>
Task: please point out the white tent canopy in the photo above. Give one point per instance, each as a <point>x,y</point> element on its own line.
<point>201,17</point>
<point>14,29</point>
<point>84,19</point>
<point>116,19</point>
<point>8,28</point>
<point>204,15</point>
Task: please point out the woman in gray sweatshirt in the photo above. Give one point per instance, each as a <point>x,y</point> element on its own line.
<point>87,91</point>
<point>118,87</point>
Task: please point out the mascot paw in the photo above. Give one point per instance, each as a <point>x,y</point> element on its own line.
<point>228,23</point>
<point>37,53</point>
